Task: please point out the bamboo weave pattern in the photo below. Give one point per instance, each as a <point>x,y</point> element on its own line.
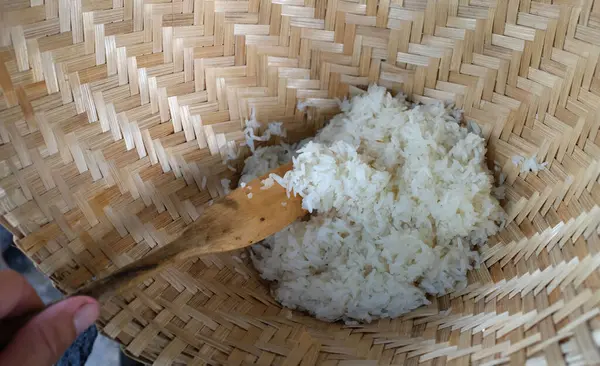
<point>118,117</point>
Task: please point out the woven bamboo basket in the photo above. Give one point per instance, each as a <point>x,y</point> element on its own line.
<point>119,119</point>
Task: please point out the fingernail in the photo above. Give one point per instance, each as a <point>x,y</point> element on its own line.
<point>85,316</point>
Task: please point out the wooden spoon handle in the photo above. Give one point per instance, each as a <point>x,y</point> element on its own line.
<point>234,222</point>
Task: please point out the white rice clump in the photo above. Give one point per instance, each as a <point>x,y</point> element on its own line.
<point>400,199</point>
<point>529,164</point>
<point>265,159</point>
<point>267,183</point>
<point>273,129</point>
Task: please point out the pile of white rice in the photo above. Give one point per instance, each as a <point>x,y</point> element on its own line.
<point>400,198</point>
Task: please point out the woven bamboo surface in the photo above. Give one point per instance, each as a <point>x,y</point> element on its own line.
<point>116,117</point>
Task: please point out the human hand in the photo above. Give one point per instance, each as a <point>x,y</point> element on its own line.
<point>46,336</point>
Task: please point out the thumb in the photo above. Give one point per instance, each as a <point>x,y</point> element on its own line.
<point>44,339</point>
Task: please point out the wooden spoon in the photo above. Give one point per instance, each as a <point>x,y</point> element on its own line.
<point>233,222</point>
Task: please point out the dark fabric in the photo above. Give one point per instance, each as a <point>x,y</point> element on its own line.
<point>79,351</point>
<point>126,361</point>
<point>6,239</point>
<point>16,260</point>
